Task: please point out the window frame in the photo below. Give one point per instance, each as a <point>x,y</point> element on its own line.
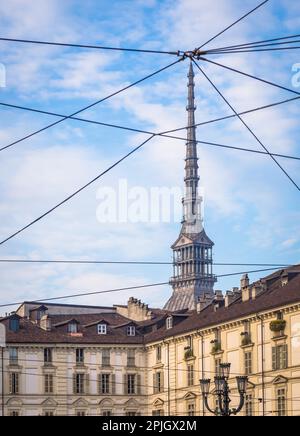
<point>102,329</point>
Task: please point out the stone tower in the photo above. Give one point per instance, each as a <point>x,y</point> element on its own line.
<point>192,252</point>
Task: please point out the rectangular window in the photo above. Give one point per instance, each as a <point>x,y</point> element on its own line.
<point>158,382</point>
<point>79,356</point>
<point>104,385</point>
<point>131,330</point>
<point>80,413</point>
<point>49,413</point>
<point>190,375</point>
<point>281,402</point>
<point>79,384</point>
<point>72,327</point>
<point>249,405</point>
<point>280,357</point>
<point>131,358</point>
<point>14,383</point>
<point>159,412</point>
<point>131,385</point>
<point>13,356</point>
<point>217,367</point>
<point>248,363</point>
<point>48,383</point>
<point>102,329</point>
<point>14,413</point>
<point>158,354</point>
<point>169,323</point>
<point>191,409</point>
<point>47,355</point>
<point>106,357</point>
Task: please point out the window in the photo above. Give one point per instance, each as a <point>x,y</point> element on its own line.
<point>80,413</point>
<point>14,324</point>
<point>107,413</point>
<point>158,382</point>
<point>131,330</point>
<point>158,353</point>
<point>79,356</point>
<point>49,413</point>
<point>191,409</point>
<point>72,327</point>
<point>14,413</point>
<point>131,358</point>
<point>249,405</point>
<point>217,367</point>
<point>48,355</point>
<point>280,357</point>
<point>248,363</point>
<point>159,412</point>
<point>131,385</point>
<point>79,384</point>
<point>279,316</point>
<point>190,343</point>
<point>169,322</point>
<point>190,375</point>
<point>102,329</point>
<point>48,383</point>
<point>106,357</point>
<point>104,384</point>
<point>13,356</point>
<point>14,383</point>
<point>281,402</point>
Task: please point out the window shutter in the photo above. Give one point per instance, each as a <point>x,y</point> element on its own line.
<point>99,385</point>
<point>285,358</point>
<point>113,384</point>
<point>154,384</point>
<point>274,358</point>
<point>86,383</point>
<point>74,383</point>
<point>125,387</point>
<point>17,383</point>
<point>138,389</point>
<point>162,381</point>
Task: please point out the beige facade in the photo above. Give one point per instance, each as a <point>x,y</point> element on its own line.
<point>274,385</point>
<point>132,360</point>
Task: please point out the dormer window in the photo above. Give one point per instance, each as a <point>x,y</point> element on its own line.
<point>169,323</point>
<point>131,330</point>
<point>102,329</point>
<point>14,324</point>
<point>72,327</point>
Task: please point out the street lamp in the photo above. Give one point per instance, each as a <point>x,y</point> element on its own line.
<point>222,392</point>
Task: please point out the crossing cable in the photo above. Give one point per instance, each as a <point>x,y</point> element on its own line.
<point>164,134</point>
<point>233,24</point>
<point>247,127</point>
<point>91,105</point>
<point>83,294</point>
<point>254,50</point>
<point>105,262</point>
<point>249,44</point>
<point>99,176</point>
<point>248,75</point>
<point>89,46</point>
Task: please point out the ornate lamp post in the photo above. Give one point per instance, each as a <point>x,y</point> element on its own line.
<point>223,391</point>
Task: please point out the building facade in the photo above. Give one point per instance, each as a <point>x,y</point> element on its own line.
<point>77,360</point>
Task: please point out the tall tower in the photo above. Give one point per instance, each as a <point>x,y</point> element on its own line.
<point>192,252</point>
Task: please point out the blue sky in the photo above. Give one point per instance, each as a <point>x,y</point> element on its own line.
<point>251,210</point>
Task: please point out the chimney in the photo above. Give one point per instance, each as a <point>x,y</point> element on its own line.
<point>219,296</point>
<point>229,298</point>
<point>257,289</point>
<point>245,288</point>
<point>45,323</point>
<point>204,301</point>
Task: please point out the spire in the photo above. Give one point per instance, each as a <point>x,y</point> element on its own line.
<point>191,201</point>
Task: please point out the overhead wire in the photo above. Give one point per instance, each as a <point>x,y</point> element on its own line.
<point>247,127</point>
<point>161,134</point>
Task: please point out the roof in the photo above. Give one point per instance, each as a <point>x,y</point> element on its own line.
<point>276,293</point>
